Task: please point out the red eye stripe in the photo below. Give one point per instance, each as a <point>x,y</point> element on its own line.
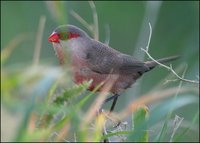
<point>73,35</point>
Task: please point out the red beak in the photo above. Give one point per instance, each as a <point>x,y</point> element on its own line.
<point>54,38</point>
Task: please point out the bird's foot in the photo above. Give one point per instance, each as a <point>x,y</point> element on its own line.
<point>121,125</point>
<point>117,125</point>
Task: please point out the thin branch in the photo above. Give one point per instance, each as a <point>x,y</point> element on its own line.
<point>149,40</point>
<point>177,122</point>
<point>164,128</point>
<point>170,80</point>
<point>95,18</point>
<point>162,65</point>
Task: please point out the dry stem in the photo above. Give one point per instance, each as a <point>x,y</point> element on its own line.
<point>162,65</point>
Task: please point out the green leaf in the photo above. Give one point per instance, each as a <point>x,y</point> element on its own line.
<point>115,134</point>
<point>69,93</point>
<point>139,123</point>
<point>37,135</point>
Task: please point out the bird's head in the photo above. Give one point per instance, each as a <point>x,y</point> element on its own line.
<point>65,33</point>
<point>66,36</point>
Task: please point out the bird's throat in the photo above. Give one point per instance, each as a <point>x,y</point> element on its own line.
<point>59,52</point>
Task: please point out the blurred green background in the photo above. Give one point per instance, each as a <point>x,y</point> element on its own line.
<point>175,32</point>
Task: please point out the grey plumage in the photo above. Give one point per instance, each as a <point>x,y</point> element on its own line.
<point>105,60</point>
<point>92,59</point>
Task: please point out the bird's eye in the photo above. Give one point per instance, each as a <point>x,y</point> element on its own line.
<point>63,36</point>
<point>67,36</point>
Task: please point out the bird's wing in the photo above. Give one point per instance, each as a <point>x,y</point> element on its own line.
<point>103,59</point>
<point>131,65</point>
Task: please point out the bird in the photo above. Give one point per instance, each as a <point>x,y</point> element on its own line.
<point>93,60</point>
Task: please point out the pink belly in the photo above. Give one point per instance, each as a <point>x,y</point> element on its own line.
<point>97,79</point>
<point>119,82</point>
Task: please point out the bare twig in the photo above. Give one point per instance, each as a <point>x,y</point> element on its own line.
<point>164,128</point>
<point>177,122</point>
<point>170,80</point>
<point>162,65</point>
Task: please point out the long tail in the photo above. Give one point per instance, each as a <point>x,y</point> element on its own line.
<point>152,64</point>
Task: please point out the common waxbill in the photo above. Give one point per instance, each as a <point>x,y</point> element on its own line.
<point>91,59</point>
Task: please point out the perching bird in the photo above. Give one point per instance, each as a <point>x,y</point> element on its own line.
<point>91,59</point>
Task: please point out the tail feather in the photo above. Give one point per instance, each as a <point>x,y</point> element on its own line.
<point>152,64</point>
